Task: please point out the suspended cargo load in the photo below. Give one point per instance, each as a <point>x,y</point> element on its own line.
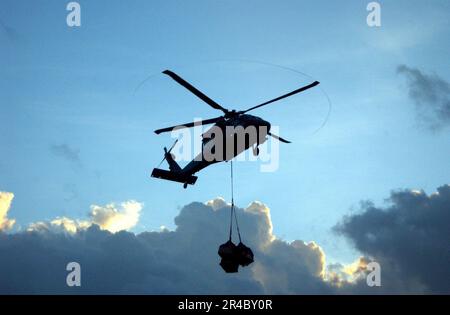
<point>232,255</point>
<point>228,252</point>
<point>244,254</point>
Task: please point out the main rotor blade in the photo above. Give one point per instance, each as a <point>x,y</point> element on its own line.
<point>284,96</point>
<point>279,138</point>
<point>194,90</point>
<point>189,125</point>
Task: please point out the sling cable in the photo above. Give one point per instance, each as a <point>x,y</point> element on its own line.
<point>234,255</point>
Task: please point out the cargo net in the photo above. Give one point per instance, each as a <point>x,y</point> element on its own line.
<point>233,255</point>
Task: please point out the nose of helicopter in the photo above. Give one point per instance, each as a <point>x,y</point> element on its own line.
<point>259,123</point>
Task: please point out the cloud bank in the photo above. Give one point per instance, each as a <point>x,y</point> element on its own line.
<point>409,239</point>
<point>431,94</point>
<point>183,261</point>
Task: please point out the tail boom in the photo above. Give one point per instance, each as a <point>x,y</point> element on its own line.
<point>174,176</point>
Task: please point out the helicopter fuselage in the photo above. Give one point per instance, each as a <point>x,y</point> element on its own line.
<point>227,139</point>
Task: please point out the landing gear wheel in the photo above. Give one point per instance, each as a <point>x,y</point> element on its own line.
<point>256,151</point>
<point>185,185</point>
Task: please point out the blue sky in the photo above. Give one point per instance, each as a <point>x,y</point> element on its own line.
<point>76,86</point>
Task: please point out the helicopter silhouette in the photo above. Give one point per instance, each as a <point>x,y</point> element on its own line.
<point>233,127</point>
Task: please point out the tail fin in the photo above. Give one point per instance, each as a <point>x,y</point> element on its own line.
<point>170,158</point>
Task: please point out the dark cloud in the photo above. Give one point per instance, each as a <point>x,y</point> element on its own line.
<point>183,261</point>
<point>68,153</point>
<point>431,94</point>
<point>410,239</point>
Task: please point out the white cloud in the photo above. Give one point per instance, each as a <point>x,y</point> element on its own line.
<point>60,224</point>
<point>217,203</point>
<point>5,204</point>
<point>341,275</point>
<point>258,208</point>
<point>113,218</point>
<point>110,217</point>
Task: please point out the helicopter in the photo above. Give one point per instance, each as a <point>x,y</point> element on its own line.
<point>233,127</point>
